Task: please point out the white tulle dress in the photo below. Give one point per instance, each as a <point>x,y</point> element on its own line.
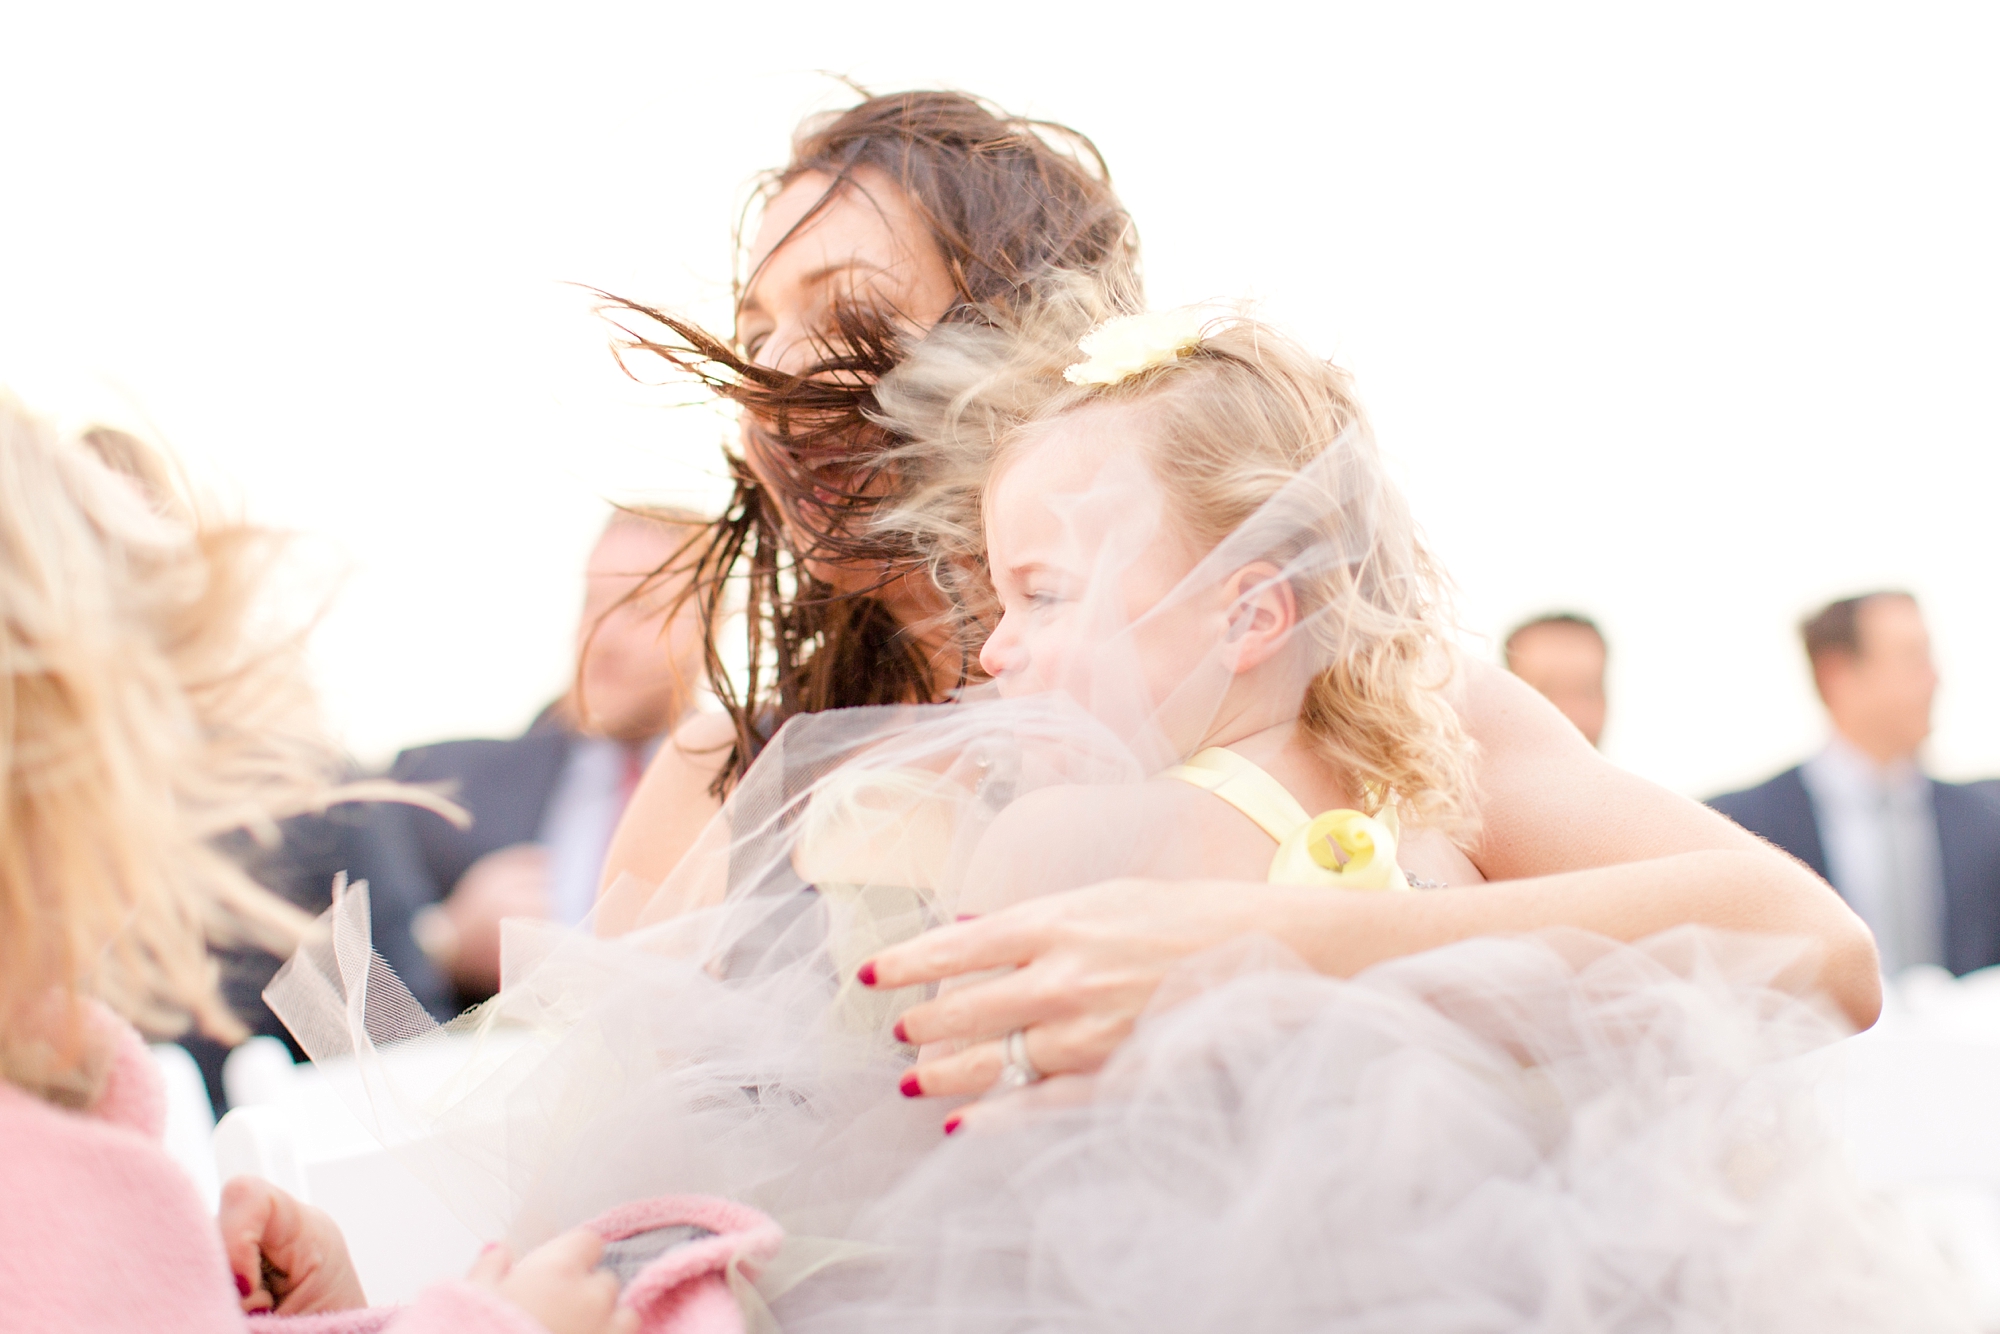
<point>1549,1133</point>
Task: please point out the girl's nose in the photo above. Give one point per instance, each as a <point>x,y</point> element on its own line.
<point>997,655</point>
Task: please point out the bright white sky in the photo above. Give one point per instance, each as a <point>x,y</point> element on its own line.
<point>1681,317</point>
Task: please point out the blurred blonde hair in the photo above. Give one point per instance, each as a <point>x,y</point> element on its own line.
<point>1230,424</point>
<point>149,703</point>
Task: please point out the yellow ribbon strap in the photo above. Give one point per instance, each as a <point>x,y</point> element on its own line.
<point>1342,847</point>
<point>1246,787</point>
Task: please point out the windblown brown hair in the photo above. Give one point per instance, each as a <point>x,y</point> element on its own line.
<point>1008,202</point>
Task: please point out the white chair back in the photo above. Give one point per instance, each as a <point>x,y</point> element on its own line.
<point>190,1118</point>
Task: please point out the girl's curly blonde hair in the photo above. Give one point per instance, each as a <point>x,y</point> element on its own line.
<point>149,703</point>
<point>1231,422</point>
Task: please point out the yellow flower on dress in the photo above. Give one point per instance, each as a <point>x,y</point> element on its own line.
<point>1367,843</point>
<point>1128,344</point>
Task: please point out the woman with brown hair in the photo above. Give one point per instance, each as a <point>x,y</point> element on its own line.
<point>900,213</point>
<point>920,208</point>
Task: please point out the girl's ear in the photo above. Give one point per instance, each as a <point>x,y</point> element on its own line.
<point>1263,612</point>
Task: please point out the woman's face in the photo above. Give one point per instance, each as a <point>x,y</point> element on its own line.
<point>867,246</point>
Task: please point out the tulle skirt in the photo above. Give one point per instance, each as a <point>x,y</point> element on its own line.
<point>1552,1133</point>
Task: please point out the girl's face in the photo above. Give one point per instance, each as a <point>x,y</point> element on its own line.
<point>1083,556</point>
<point>866,246</point>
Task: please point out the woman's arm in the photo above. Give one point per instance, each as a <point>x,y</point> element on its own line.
<point>1088,962</point>
<point>672,804</point>
<point>1547,802</point>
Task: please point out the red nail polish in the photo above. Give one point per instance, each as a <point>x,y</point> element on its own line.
<point>865,975</point>
<point>952,1123</point>
<point>242,1285</point>
<point>902,1034</point>
<point>911,1088</point>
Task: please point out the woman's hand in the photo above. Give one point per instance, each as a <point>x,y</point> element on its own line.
<point>286,1256</point>
<point>559,1284</point>
<point>1086,964</point>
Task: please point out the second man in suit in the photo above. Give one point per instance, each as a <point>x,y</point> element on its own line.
<point>1918,859</point>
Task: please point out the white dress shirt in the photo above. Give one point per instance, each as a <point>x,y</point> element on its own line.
<point>1879,832</point>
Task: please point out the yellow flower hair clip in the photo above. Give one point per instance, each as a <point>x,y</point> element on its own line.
<point>1128,344</point>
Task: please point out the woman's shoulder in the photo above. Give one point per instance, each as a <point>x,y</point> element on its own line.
<point>1506,717</point>
<point>674,801</point>
<point>705,733</point>
<point>693,757</point>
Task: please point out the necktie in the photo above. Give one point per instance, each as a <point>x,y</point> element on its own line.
<point>629,776</point>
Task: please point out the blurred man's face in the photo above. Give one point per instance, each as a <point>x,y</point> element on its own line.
<point>1880,698</point>
<point>638,672</point>
<point>1566,664</point>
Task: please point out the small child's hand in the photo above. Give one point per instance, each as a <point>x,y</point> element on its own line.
<point>559,1284</point>
<point>286,1256</point>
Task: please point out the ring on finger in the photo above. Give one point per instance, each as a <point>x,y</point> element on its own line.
<point>1017,1071</point>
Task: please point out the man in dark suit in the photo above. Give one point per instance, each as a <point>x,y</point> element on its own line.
<point>1919,860</point>
<point>544,804</point>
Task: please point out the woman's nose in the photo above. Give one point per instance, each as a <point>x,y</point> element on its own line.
<point>786,350</point>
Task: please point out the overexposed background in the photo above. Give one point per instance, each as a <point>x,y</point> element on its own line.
<point>1681,317</point>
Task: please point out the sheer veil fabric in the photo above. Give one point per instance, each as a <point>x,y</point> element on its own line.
<point>1549,1133</point>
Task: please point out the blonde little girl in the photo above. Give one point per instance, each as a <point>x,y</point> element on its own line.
<point>1189,533</point>
<point>142,714</point>
<point>1196,534</point>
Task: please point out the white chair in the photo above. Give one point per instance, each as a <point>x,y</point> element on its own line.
<point>258,1072</point>
<point>190,1118</point>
